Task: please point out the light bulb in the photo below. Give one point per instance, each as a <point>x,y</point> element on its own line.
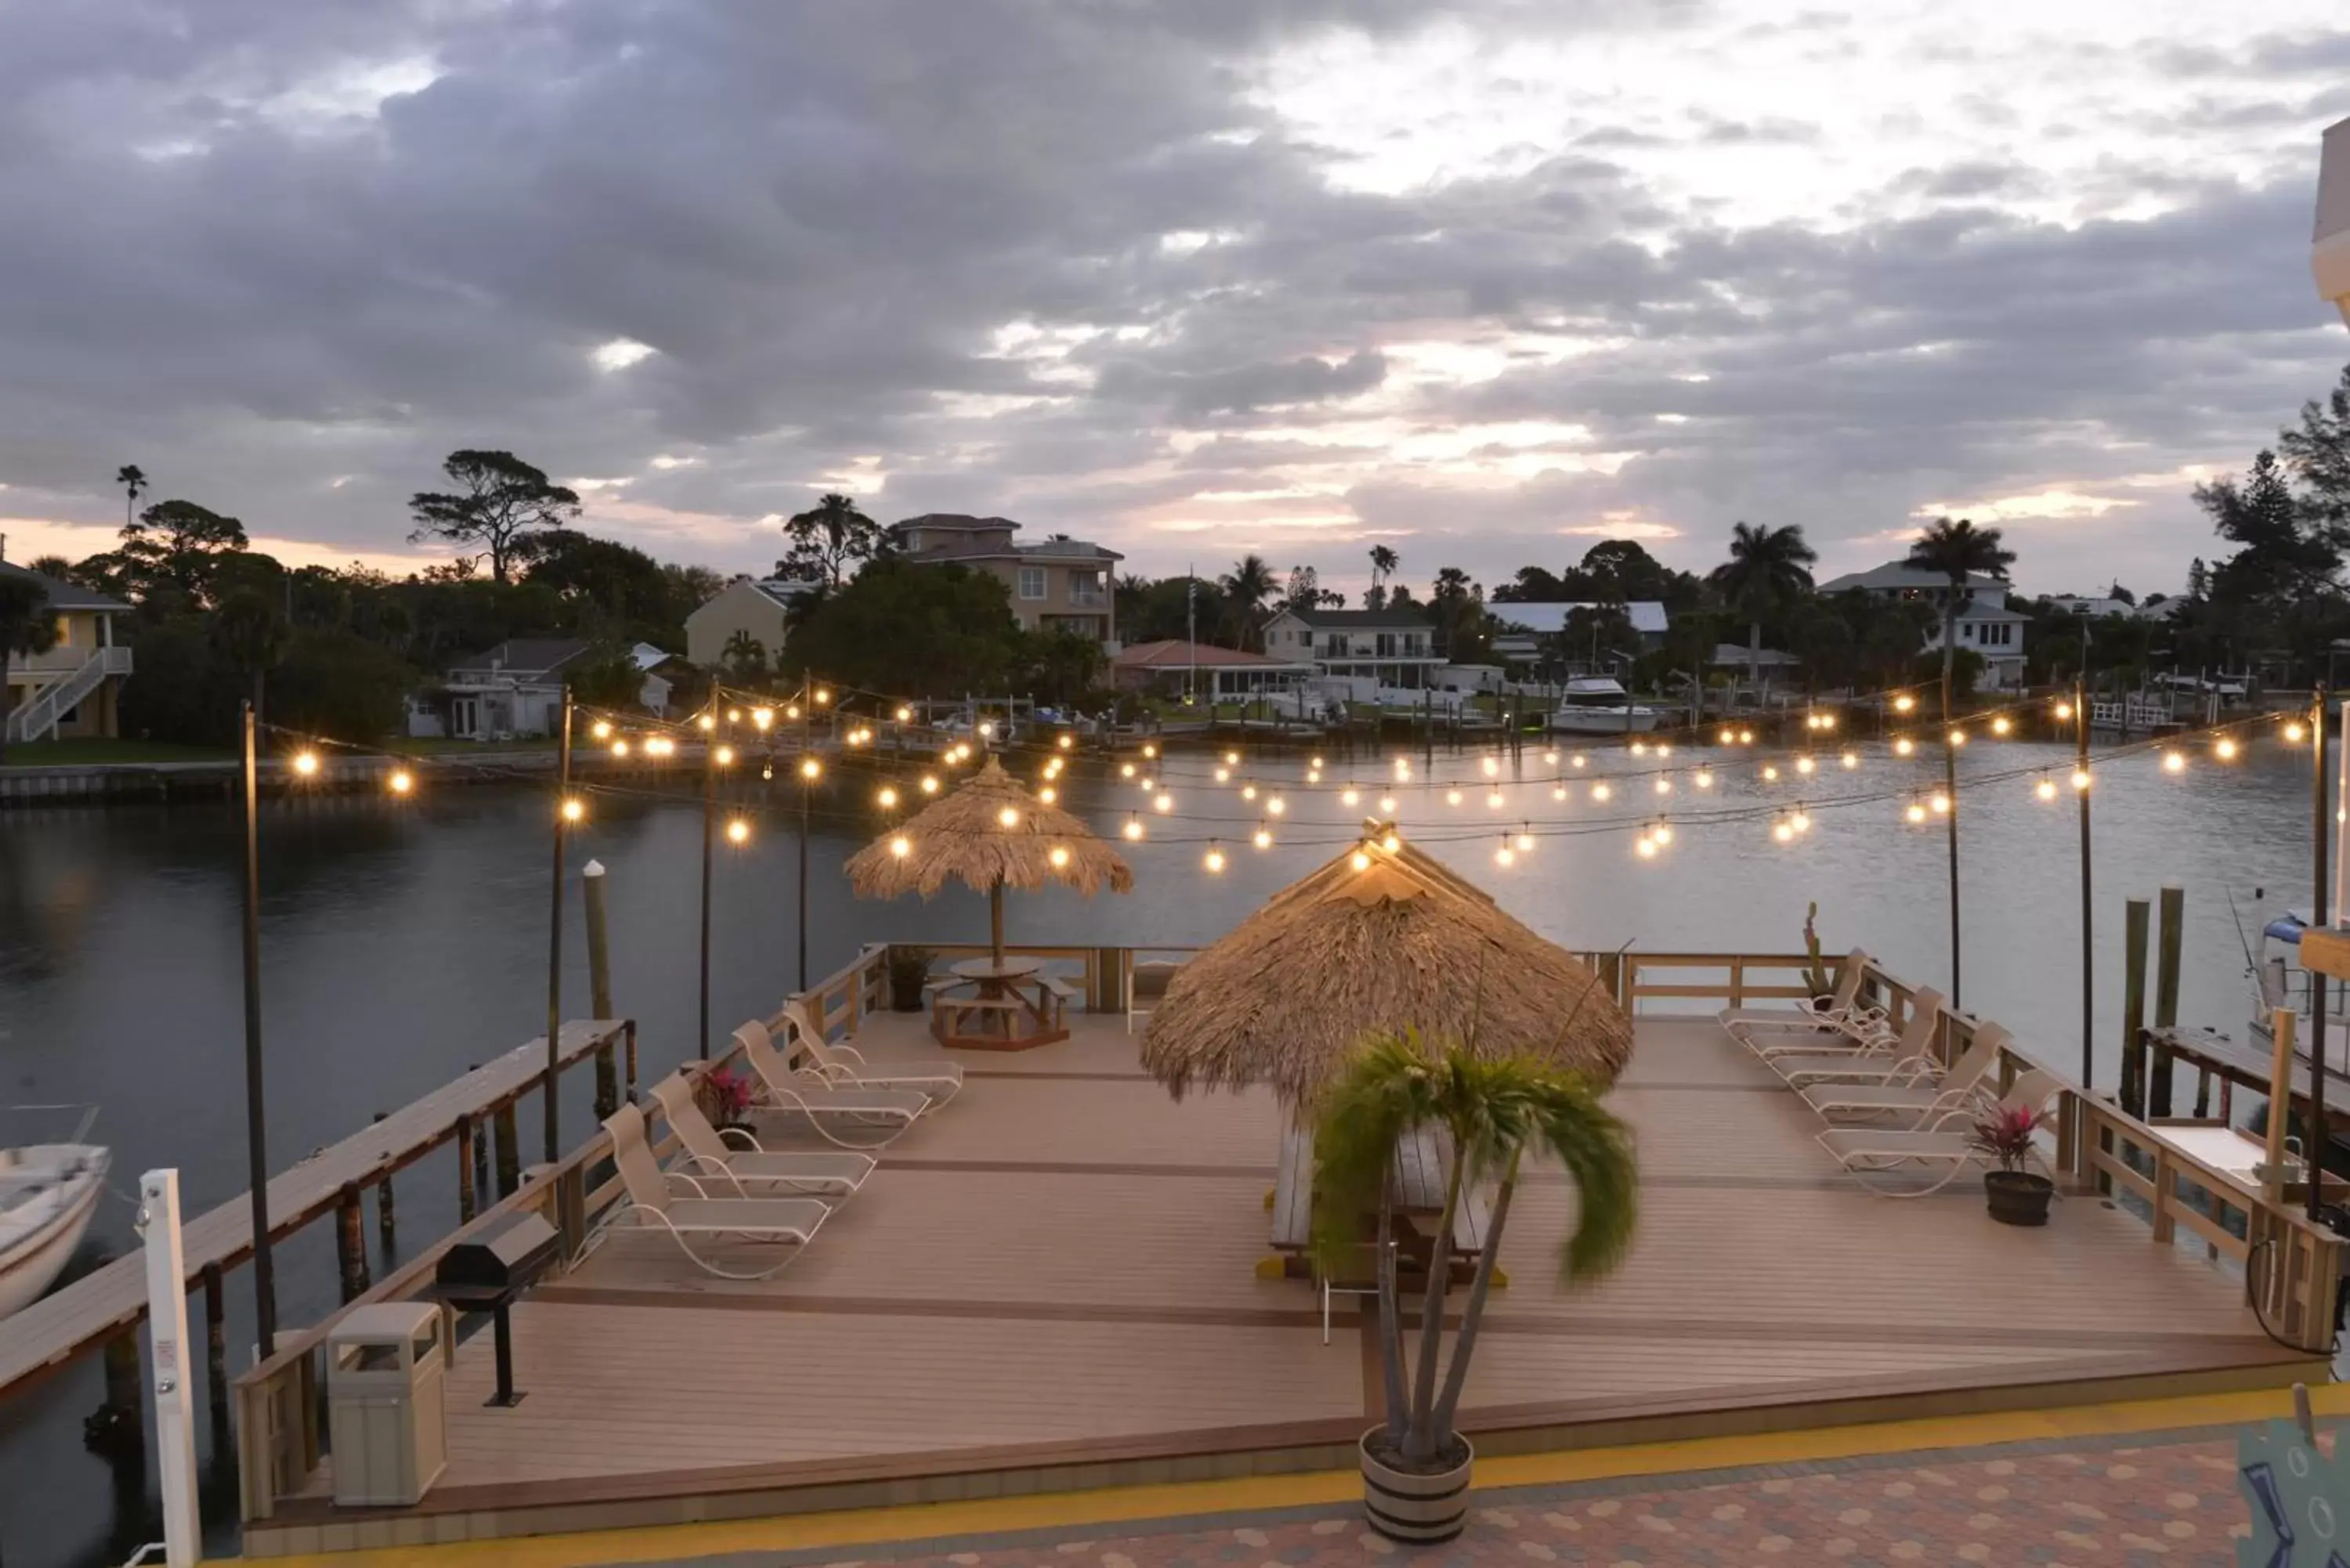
<point>1148,751</point>
<point>1350,796</point>
<point>1276,805</point>
<point>1223,775</point>
<point>1402,768</point>
<point>2226,750</point>
<point>401,781</point>
<point>1058,856</point>
<point>1067,740</point>
<point>904,713</point>
<point>1558,792</point>
<point>1359,861</point>
<point>723,756</point>
<point>1504,855</point>
<point>2080,779</point>
<point>888,797</point>
<point>1580,759</point>
<point>1703,778</point>
<point>1133,828</point>
<point>2064,711</point>
<point>762,717</point>
<point>1391,843</point>
<point>1232,759</point>
<point>1664,786</point>
<point>1126,770</point>
<point>1009,816</point>
<point>1248,791</point>
<point>1165,803</point>
<point>1914,813</point>
<point>987,729</point>
<point>1827,720</point>
<point>1745,737</point>
<point>1958,737</point>
<point>1645,847</point>
<point>1729,737</point>
<point>1149,786</point>
<point>1452,797</point>
<point>930,783</point>
<point>2046,789</point>
<point>1551,758</point>
<point>1600,791</point>
<point>306,762</point>
<point>1049,794</point>
<point>1492,768</point>
<point>738,832</point>
<point>1386,806</point>
<point>574,809</point>
<point>1940,803</point>
<point>2174,762</point>
<point>1213,859</point>
<point>1801,820</point>
<point>792,711</point>
<point>602,730</point>
<point>1851,759</point>
<point>1525,842</point>
<point>1903,703</point>
<point>1639,748</point>
<point>661,746</point>
<point>2001,725</point>
<point>1903,745</point>
<point>1662,832</point>
<point>1805,764</point>
<point>1770,773</point>
<point>1664,749</point>
<point>1782,831</point>
<point>902,847</point>
<point>1497,800</point>
<point>734,715</point>
<point>823,696</point>
<point>2294,730</point>
<point>810,768</point>
<point>1263,837</point>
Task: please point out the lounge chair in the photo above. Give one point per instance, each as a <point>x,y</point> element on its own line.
<point>1145,987</point>
<point>1875,1060</point>
<point>867,1118</point>
<point>1913,1095</point>
<point>822,1174</point>
<point>1842,1010</point>
<point>937,1080</point>
<point>1943,1150</point>
<point>649,1206</point>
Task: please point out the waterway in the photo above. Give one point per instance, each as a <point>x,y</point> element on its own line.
<point>402,942</point>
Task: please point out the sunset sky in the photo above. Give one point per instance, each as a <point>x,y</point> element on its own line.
<point>1482,282</point>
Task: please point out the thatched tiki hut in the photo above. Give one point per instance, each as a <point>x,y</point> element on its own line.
<point>1383,936</point>
<point>988,834</point>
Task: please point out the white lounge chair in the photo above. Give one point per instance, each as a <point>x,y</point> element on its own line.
<point>823,1174</point>
<point>867,1118</point>
<point>793,1221</point>
<point>1913,1095</point>
<point>1870,1155</point>
<point>937,1080</point>
<point>1842,1010</point>
<point>1875,1060</point>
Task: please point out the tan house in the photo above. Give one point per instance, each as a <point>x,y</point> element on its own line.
<point>1056,582</point>
<point>69,692</point>
<point>756,607</point>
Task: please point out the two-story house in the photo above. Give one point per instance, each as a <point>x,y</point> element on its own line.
<point>1985,625</point>
<point>1058,583</point>
<point>1392,647</point>
<point>68,693</point>
<point>757,608</point>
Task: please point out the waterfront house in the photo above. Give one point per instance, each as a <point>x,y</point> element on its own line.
<point>756,608</point>
<point>70,691</point>
<point>1057,583</point>
<point>1986,625</point>
<point>512,690</point>
<point>1172,666</point>
<point>1395,647</point>
<point>1519,630</point>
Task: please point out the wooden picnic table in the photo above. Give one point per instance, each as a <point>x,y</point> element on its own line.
<point>1416,1185</point>
<point>1011,1005</point>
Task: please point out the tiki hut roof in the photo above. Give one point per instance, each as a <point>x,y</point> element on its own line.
<point>1379,939</point>
<point>963,837</point>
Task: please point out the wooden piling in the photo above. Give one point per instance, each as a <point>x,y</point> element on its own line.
<point>385,1223</point>
<point>2166,994</point>
<point>465,1188</point>
<point>599,986</point>
<point>509,1150</point>
<point>119,1426</point>
<point>350,1243</point>
<point>482,1188</point>
<point>215,1347</point>
<point>2133,934</point>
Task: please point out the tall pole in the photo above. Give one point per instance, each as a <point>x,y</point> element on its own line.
<point>2088,947</point>
<point>264,1278</point>
<point>2319,919</point>
<point>808,711</point>
<point>554,933</point>
<point>1951,793</point>
<point>709,817</point>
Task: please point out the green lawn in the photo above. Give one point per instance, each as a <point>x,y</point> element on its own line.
<point>76,753</point>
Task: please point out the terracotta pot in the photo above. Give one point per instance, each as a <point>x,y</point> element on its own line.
<point>2018,1197</point>
<point>1414,1505</point>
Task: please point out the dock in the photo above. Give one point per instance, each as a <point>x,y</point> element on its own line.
<point>113,1299</point>
<point>1050,1284</point>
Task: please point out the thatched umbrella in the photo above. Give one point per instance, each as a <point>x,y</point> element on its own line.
<point>1383,936</point>
<point>990,833</point>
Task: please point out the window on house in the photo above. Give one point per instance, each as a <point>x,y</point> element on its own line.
<point>1032,581</point>
<point>1386,645</point>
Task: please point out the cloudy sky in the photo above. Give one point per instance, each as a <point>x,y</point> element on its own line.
<point>1482,282</point>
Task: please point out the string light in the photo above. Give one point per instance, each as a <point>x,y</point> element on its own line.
<point>930,783</point>
<point>1165,803</point>
<point>1360,860</point>
<point>1150,785</point>
<point>1914,813</point>
<point>2294,730</point>
<point>1664,786</point>
<point>1049,794</point>
<point>1600,791</point>
<point>1402,769</point>
<point>1391,843</point>
<point>401,781</point>
<point>602,729</point>
<point>1702,778</point>
<point>1126,770</point>
<point>888,797</point>
<point>1009,816</point>
<point>1550,759</point>
<point>723,756</point>
<point>2226,749</point>
<point>734,715</point>
<point>2001,725</point>
<point>902,847</point>
<point>793,711</point>
<point>904,713</point>
<point>2081,780</point>
<point>1248,790</point>
<point>1783,831</point>
<point>1580,759</point>
<point>1452,797</point>
<point>1232,759</point>
<point>1639,748</point>
<point>1903,745</point>
<point>1350,796</point>
<point>2046,789</point>
<point>767,769</point>
<point>823,695</point>
<point>987,729</point>
<point>1806,764</point>
<point>661,746</point>
<point>810,768</point>
<point>1558,792</point>
<point>1663,832</point>
<point>1664,748</point>
<point>2174,762</point>
<point>1770,773</point>
<point>1645,846</point>
<point>738,831</point>
<point>1223,775</point>
<point>1958,737</point>
<point>1263,837</point>
<point>1133,828</point>
<point>1151,750</point>
<point>1497,800</point>
<point>1386,806</point>
<point>306,764</point>
<point>1276,805</point>
<point>1851,759</point>
<point>1801,821</point>
<point>620,748</point>
<point>1941,802</point>
<point>574,809</point>
<point>1505,855</point>
<point>1067,740</point>
<point>1492,768</point>
<point>1059,856</point>
<point>1213,859</point>
<point>1903,703</point>
<point>1525,837</point>
<point>1745,737</point>
<point>761,718</point>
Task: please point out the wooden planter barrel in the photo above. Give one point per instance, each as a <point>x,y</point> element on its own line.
<point>1406,1505</point>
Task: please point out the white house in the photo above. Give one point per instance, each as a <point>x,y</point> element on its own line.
<point>1395,647</point>
<point>68,693</point>
<point>754,606</point>
<point>2090,604</point>
<point>1985,624</point>
<point>1521,628</point>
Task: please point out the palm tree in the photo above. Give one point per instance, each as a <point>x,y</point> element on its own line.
<point>250,636</point>
<point>26,626</point>
<point>1384,563</point>
<point>745,655</point>
<point>1769,569</point>
<point>1495,1110</point>
<point>1960,551</point>
<point>134,479</point>
<point>1246,587</point>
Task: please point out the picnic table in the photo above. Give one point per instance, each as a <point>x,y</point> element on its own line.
<point>1011,1005</point>
<point>1417,1184</point>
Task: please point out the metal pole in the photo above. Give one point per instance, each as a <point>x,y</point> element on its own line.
<point>808,705</point>
<point>709,817</point>
<point>1951,820</point>
<point>554,935</point>
<point>2320,827</point>
<point>265,1278</point>
<point>2088,945</point>
<point>166,1325</point>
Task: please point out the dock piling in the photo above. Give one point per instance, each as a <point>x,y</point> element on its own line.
<point>468,1156</point>
<point>2133,934</point>
<point>509,1150</point>
<point>215,1350</point>
<point>385,1223</point>
<point>116,1428</point>
<point>599,986</point>
<point>350,1243</point>
<point>2166,995</point>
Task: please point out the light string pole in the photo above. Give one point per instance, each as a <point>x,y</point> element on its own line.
<point>2081,779</point>
<point>808,788</point>
<point>565,809</point>
<point>1951,819</point>
<point>264,1277</point>
<point>711,749</point>
<point>2322,875</point>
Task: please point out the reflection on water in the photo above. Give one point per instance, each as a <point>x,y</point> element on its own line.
<point>402,945</point>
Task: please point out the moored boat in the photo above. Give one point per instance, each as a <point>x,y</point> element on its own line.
<point>1598,705</point>
<point>47,1193</point>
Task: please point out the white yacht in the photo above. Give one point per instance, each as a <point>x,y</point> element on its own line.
<point>1598,705</point>
<point>47,1193</point>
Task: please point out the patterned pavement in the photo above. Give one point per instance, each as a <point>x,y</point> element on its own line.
<point>2165,1498</point>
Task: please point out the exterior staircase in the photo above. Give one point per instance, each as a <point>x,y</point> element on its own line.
<point>37,718</point>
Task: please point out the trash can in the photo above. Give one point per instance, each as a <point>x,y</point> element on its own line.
<point>386,1370</point>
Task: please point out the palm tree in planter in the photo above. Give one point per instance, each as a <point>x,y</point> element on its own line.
<point>1495,1110</point>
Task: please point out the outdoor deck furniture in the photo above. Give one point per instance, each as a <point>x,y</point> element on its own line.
<point>937,1080</point>
<point>1418,1189</point>
<point>1808,1015</point>
<point>1877,1061</point>
<point>1006,1008</point>
<point>1145,987</point>
<point>867,1118</point>
<point>1943,1149</point>
<point>823,1174</point>
<point>1913,1096</point>
<point>793,1221</point>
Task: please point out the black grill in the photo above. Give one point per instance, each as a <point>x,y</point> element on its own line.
<point>510,1258</point>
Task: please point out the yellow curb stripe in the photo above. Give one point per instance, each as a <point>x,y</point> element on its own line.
<point>1122,1505</point>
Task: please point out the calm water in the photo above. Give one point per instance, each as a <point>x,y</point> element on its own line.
<point>402,944</point>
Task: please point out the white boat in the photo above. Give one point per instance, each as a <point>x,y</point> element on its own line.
<point>47,1193</point>
<point>1598,705</point>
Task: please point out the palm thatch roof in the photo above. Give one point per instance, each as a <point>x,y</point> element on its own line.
<point>965,836</point>
<point>1379,939</point>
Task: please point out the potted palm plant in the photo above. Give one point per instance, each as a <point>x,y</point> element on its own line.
<point>909,969</point>
<point>2017,1196</point>
<point>1416,1464</point>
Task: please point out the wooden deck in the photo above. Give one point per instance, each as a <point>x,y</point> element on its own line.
<point>1051,1284</point>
